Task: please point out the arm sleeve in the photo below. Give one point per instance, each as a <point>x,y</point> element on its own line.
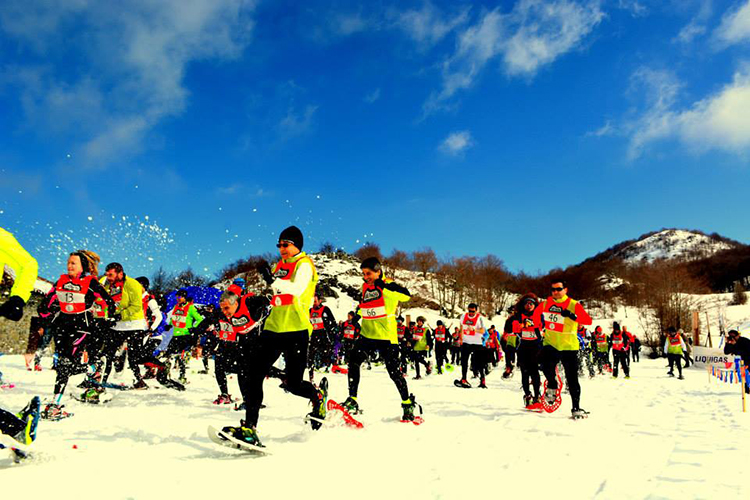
<point>297,286</point>
<point>23,264</point>
<point>98,289</point>
<point>197,318</point>
<point>394,287</point>
<point>158,316</point>
<point>582,317</point>
<point>45,306</point>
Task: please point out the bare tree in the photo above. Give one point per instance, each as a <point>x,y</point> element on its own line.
<point>425,261</point>
<point>368,250</point>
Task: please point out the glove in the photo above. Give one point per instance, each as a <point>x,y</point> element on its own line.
<point>156,353</point>
<point>167,327</point>
<point>13,308</point>
<point>567,314</point>
<point>264,269</point>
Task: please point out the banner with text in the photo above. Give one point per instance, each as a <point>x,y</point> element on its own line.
<point>703,356</point>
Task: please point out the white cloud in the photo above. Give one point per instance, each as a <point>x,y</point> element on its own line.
<point>718,122</point>
<point>604,131</point>
<point>735,26</point>
<point>349,24</point>
<point>690,31</point>
<point>636,8</point>
<point>532,35</point>
<point>697,25</point>
<point>456,143</point>
<point>132,71</point>
<point>429,25</point>
<point>372,96</point>
<point>297,123</point>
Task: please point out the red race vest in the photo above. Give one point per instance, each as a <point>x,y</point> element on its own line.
<point>99,307</point>
<point>601,339</point>
<point>372,304</point>
<point>617,341</point>
<point>239,324</point>
<point>115,291</point>
<point>417,333</point>
<point>71,293</point>
<point>349,330</point>
<point>526,329</point>
<point>285,271</point>
<point>468,325</point>
<point>440,334</point>
<point>401,331</point>
<point>179,315</point>
<point>316,318</point>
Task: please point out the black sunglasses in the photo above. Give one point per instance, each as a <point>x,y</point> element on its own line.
<point>283,245</point>
<point>558,288</point>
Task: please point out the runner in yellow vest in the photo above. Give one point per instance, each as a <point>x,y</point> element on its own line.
<point>286,331</point>
<point>25,267</point>
<point>378,302</point>
<point>561,316</point>
<point>674,346</point>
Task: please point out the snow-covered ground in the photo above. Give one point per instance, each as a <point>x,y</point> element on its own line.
<point>648,437</point>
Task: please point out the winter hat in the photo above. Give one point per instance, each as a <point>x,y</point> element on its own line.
<point>371,263</point>
<point>182,293</point>
<point>293,234</point>
<point>439,323</point>
<point>240,282</point>
<point>616,326</point>
<point>144,282</point>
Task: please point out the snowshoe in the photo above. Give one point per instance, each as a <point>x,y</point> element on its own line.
<point>527,400</point>
<point>240,438</point>
<point>408,411</point>
<point>482,384</point>
<point>54,412</point>
<point>30,415</point>
<point>439,371</point>
<point>223,399</point>
<point>333,406</point>
<point>578,414</point>
<point>140,385</point>
<point>418,377</point>
<point>318,413</point>
<point>463,383</point>
<point>351,406</point>
<point>680,378</point>
<point>553,397</point>
<point>535,405</point>
<point>94,396</point>
<point>670,373</point>
<point>429,368</point>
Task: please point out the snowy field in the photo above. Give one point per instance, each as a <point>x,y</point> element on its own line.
<point>648,437</point>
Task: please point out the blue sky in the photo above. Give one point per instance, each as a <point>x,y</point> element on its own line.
<point>191,132</point>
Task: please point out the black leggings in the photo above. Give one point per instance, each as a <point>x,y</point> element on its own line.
<point>441,354</point>
<point>420,358</point>
<point>620,358</point>
<point>115,339</point>
<point>569,359</point>
<point>271,345</point>
<point>179,344</point>
<point>228,360</point>
<point>478,359</point>
<point>67,367</point>
<point>510,356</point>
<point>388,352</point>
<point>675,358</point>
<point>528,361</point>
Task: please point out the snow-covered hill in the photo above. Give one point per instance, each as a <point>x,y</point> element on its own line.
<point>672,244</point>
